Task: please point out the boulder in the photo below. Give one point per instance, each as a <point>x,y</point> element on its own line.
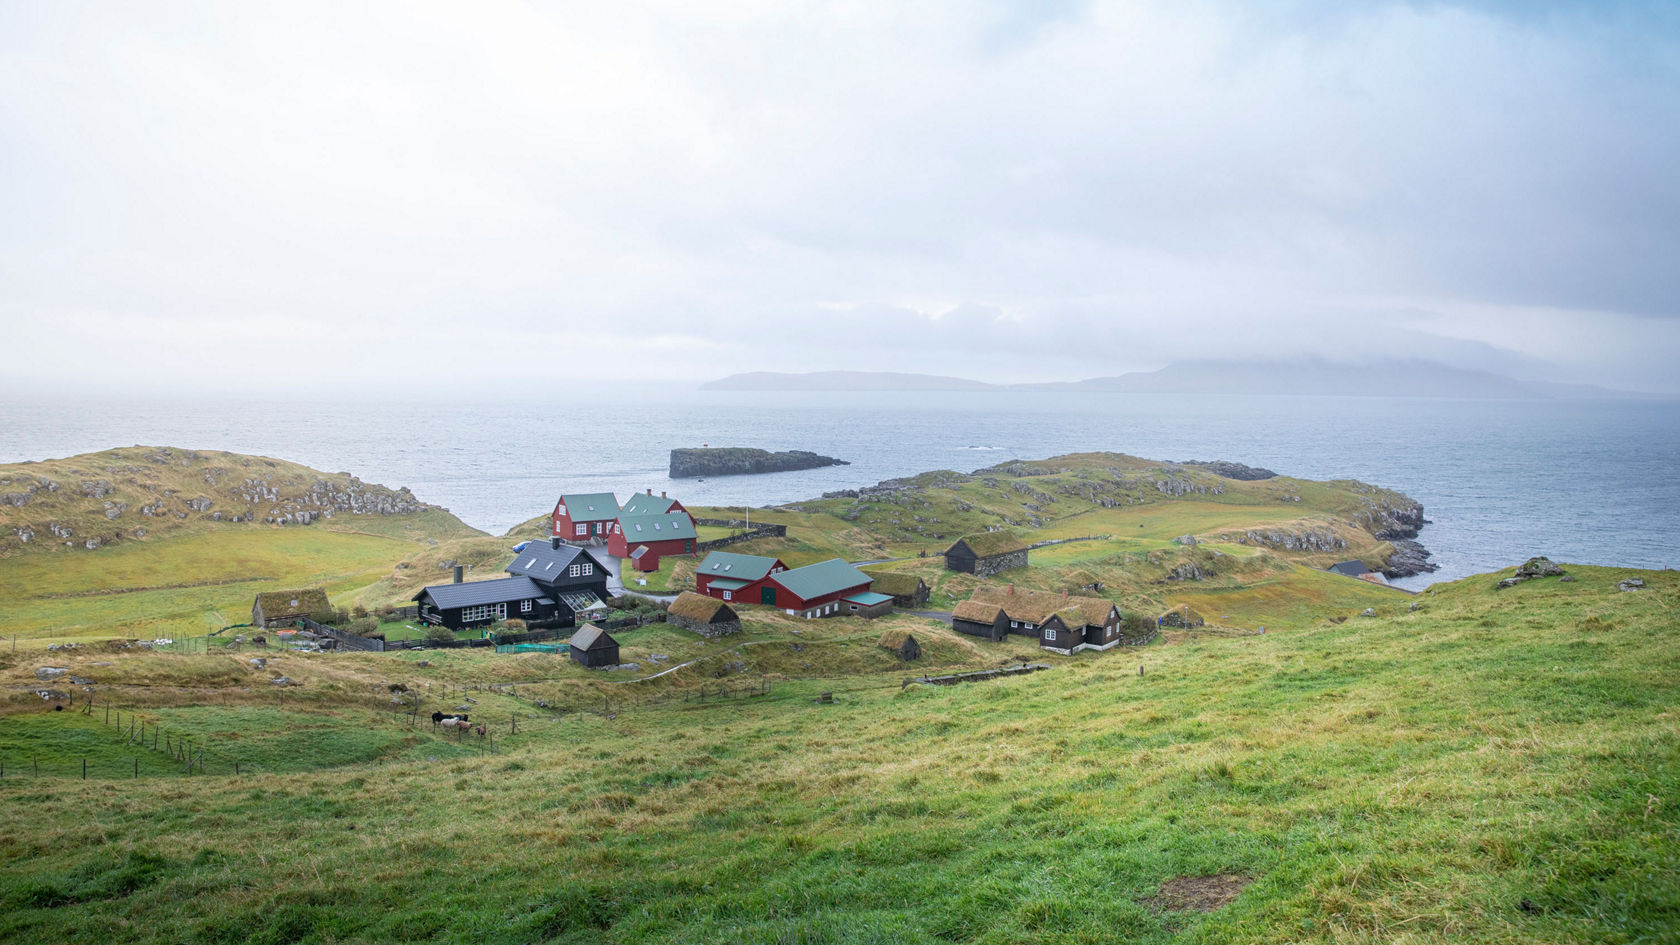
<point>1538,568</point>
<point>1185,540</point>
<point>1631,584</point>
<point>50,672</point>
<point>1567,579</point>
<point>281,680</point>
<point>1368,612</point>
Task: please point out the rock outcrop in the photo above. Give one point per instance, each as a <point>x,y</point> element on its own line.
<point>1537,567</point>
<point>1230,470</point>
<point>1409,558</point>
<point>742,461</point>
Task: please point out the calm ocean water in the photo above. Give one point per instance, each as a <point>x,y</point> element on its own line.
<point>1586,482</point>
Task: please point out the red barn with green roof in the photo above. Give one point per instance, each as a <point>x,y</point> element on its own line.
<point>829,588</point>
<point>740,578</point>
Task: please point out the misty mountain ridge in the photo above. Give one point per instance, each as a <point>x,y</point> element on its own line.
<point>1306,376</point>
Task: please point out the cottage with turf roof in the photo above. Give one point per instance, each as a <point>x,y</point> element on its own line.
<point>829,588</point>
<point>736,577</point>
<point>593,648</point>
<point>575,577</point>
<point>1060,622</point>
<point>908,591</point>
<point>704,615</point>
<point>980,619</point>
<point>584,518</point>
<point>283,608</point>
<point>987,553</point>
<point>479,603</point>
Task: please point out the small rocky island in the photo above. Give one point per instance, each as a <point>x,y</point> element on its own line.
<point>743,461</point>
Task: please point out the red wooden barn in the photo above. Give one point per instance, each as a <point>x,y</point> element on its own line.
<point>665,533</point>
<point>729,576</point>
<point>584,517</point>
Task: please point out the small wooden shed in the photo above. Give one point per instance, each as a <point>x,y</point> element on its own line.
<point>901,644</point>
<point>593,647</point>
<point>980,619</point>
<point>704,615</point>
<point>907,590</point>
<point>644,559</point>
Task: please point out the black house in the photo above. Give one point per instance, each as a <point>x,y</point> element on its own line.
<point>478,603</point>
<point>593,647</point>
<point>986,554</point>
<point>573,576</point>
<point>1349,568</point>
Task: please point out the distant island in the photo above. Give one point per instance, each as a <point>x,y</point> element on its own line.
<point>743,461</point>
<point>1376,379</point>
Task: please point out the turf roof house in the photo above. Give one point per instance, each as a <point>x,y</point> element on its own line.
<point>704,615</point>
<point>574,577</point>
<point>584,518</point>
<point>283,608</point>
<point>829,588</point>
<point>1060,623</point>
<point>906,590</point>
<point>735,577</point>
<point>987,553</point>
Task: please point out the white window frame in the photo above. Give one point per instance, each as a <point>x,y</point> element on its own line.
<point>525,606</point>
<point>1050,634</point>
<point>588,569</point>
<point>574,570</point>
<point>482,611</point>
<point>582,529</point>
<point>728,595</point>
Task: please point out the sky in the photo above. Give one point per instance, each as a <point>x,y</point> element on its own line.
<point>377,196</point>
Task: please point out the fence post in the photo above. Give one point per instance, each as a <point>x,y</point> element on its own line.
<point>84,767</point>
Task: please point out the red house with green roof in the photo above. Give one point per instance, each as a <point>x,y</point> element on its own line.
<point>584,518</point>
<point>829,588</point>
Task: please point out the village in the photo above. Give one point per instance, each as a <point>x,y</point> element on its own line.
<point>564,589</point>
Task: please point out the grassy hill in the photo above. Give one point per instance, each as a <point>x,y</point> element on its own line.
<point>1493,766</point>
<point>155,541</point>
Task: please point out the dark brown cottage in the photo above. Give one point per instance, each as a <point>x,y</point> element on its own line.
<point>593,647</point>
<point>1060,622</point>
<point>906,590</point>
<point>980,619</point>
<point>704,615</point>
<point>987,553</point>
<point>283,608</point>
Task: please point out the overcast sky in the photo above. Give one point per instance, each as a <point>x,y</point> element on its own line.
<point>1033,191</point>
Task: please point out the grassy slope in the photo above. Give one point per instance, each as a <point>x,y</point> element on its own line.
<point>1413,777</point>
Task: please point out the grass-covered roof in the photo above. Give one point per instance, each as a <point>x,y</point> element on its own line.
<point>992,544</point>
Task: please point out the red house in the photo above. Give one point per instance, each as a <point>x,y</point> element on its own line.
<point>585,518</point>
<point>826,589</point>
<point>665,533</point>
<point>728,576</point>
<point>646,504</point>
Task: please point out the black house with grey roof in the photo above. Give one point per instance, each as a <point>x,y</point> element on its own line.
<point>478,603</point>
<point>573,576</point>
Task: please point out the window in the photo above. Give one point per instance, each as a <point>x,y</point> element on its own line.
<point>524,606</point>
<point>484,612</point>
<point>728,595</point>
<point>582,529</point>
<point>575,570</point>
<point>588,568</point>
<point>1050,634</point>
<point>1013,624</point>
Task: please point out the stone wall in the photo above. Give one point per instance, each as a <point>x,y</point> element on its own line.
<point>986,567</point>
<point>711,630</point>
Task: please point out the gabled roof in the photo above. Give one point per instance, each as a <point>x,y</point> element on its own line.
<point>692,606</point>
<point>976,611</point>
<point>474,593</point>
<point>309,600</point>
<point>643,504</point>
<point>896,583</point>
<point>543,561</point>
<point>591,506</point>
<point>727,564</point>
<point>665,525</point>
<point>591,637</point>
<point>991,544</point>
<point>1037,606</point>
<point>1350,568</point>
<point>824,577</point>
<point>866,598</point>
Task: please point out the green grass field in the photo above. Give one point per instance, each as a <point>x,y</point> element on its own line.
<point>1494,767</point>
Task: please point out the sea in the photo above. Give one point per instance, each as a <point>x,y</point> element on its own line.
<point>1586,482</point>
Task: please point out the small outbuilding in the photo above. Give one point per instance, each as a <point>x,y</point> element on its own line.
<point>704,615</point>
<point>283,608</point>
<point>593,647</point>
<point>1351,569</point>
<point>907,590</point>
<point>980,619</point>
<point>901,644</point>
<point>987,553</point>
<point>644,559</point>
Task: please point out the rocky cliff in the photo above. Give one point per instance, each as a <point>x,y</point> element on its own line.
<point>742,461</point>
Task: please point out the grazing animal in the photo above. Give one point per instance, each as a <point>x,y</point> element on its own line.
<point>452,723</point>
<point>479,730</point>
<point>437,717</point>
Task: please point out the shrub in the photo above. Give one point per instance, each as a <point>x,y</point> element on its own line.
<point>358,612</point>
<point>362,626</point>
<point>439,634</point>
<point>1135,622</point>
